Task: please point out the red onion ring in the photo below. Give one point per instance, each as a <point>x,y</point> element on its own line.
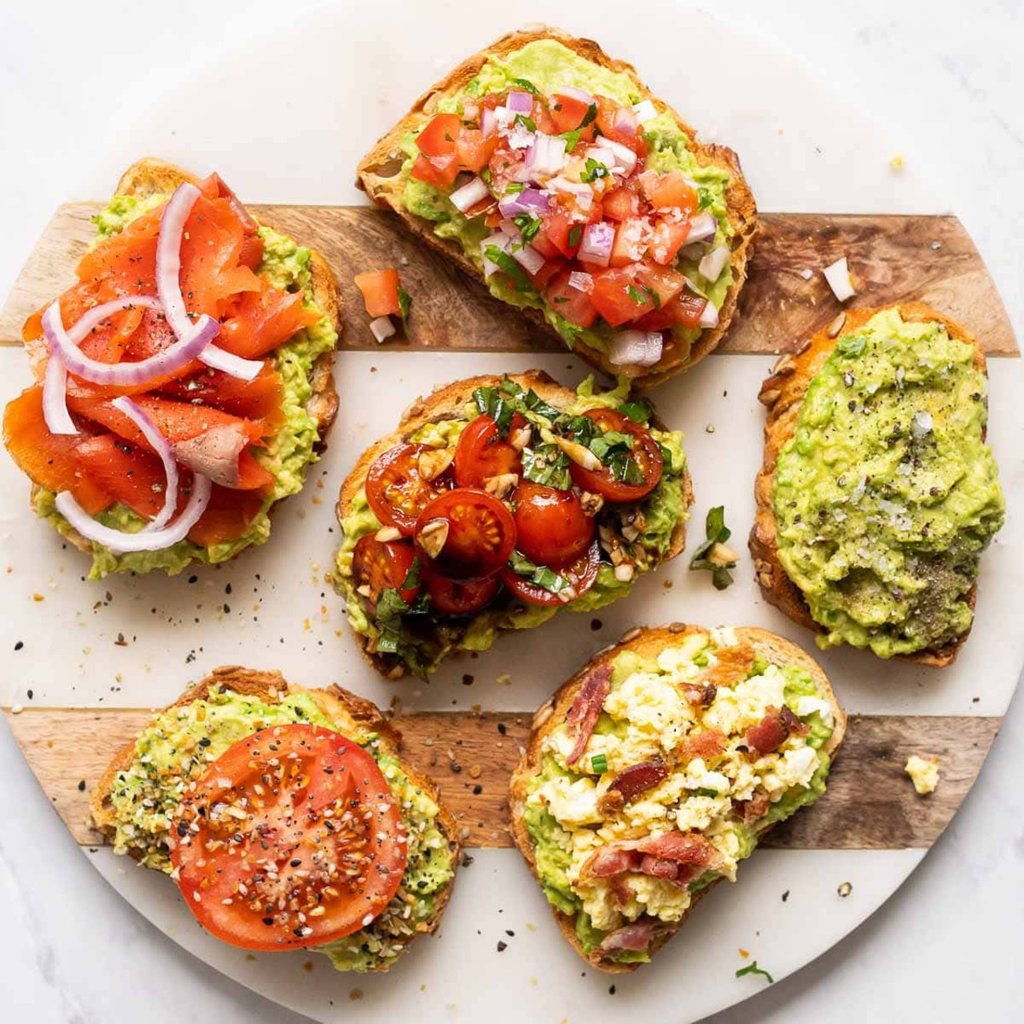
<point>162,447</point>
<point>55,392</point>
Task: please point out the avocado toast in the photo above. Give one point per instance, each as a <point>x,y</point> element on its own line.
<point>137,803</point>
<point>653,771</point>
<point>878,492</point>
<point>252,421</point>
<point>548,171</point>
<point>567,496</point>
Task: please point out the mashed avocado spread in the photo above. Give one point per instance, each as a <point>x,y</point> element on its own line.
<point>287,453</point>
<point>548,66</point>
<point>662,512</point>
<point>179,745</point>
<point>650,714</point>
<point>887,493</point>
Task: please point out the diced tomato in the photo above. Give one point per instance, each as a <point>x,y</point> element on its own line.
<point>664,282</point>
<point>440,171</point>
<point>542,117</point>
<point>545,246</point>
<point>668,190</point>
<point>548,271</point>
<point>618,297</point>
<point>568,113</point>
<point>620,204</point>
<point>622,129</point>
<point>629,245</point>
<point>130,474</point>
<point>438,137</point>
<point>570,303</point>
<point>562,232</point>
<point>380,291</point>
<point>666,240</point>
<point>473,151</point>
<point>684,310</point>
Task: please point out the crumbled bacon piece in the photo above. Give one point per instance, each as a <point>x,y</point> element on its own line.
<point>773,730</point>
<point>634,937</point>
<point>586,708</point>
<point>638,778</point>
<point>754,808</point>
<point>706,744</point>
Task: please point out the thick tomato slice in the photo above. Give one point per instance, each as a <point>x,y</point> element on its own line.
<point>380,291</point>
<point>580,576</point>
<point>292,838</point>
<point>458,597</point>
<point>481,453</point>
<point>618,297</point>
<point>383,565</point>
<point>568,302</point>
<point>395,490</point>
<point>551,526</point>
<point>466,534</point>
<point>646,453</point>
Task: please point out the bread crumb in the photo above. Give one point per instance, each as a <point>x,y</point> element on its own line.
<point>923,773</point>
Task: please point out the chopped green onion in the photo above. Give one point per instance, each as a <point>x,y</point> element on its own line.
<point>599,763</point>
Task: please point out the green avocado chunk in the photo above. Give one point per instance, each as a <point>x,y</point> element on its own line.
<point>887,494</point>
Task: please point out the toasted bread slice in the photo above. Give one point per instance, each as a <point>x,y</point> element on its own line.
<point>782,394</point>
<point>378,174</point>
<point>152,176</point>
<point>352,714</point>
<point>646,642</point>
<point>445,403</point>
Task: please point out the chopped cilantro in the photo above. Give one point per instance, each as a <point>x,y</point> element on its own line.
<point>508,265</point>
<point>524,84</point>
<point>752,968</point>
<point>590,116</point>
<point>513,187</point>
<point>528,226</point>
<point>705,197</point>
<point>571,139</point>
<point>717,533</point>
<point>404,305</point>
<point>575,234</point>
<point>639,297</point>
<point>527,122</point>
<point>595,169</point>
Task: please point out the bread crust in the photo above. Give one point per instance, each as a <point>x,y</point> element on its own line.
<point>646,642</point>
<point>354,714</point>
<point>377,175</point>
<point>445,403</point>
<point>150,176</point>
<point>782,393</point>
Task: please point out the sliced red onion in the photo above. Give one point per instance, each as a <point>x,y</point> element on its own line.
<point>527,257</point>
<point>709,315</point>
<point>382,328</point>
<point>120,374</point>
<point>55,397</point>
<point>838,277</point>
<point>644,111</point>
<point>714,263</point>
<point>597,243</point>
<point>581,282</point>
<point>488,122</point>
<point>625,121</point>
<point>92,318</point>
<point>162,447</point>
<point>227,362</point>
<point>545,157</point>
<point>144,540</point>
<point>519,102</point>
<point>702,227</point>
<point>635,348</point>
<point>576,94</point>
<point>530,200</point>
<point>469,194</point>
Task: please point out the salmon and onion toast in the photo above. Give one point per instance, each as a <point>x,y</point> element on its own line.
<point>183,382</point>
<point>657,768</point>
<point>287,817</point>
<point>550,173</point>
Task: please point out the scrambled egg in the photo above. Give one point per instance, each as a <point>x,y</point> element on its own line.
<point>924,774</point>
<point>650,712</point>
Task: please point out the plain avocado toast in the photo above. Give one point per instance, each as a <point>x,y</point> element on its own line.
<point>656,769</point>
<point>878,493</point>
<point>183,383</point>
<point>549,172</point>
<point>287,817</point>
<point>497,503</point>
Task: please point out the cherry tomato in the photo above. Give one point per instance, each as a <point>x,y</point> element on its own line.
<point>646,453</point>
<point>551,526</point>
<point>581,575</point>
<point>253,877</point>
<point>458,597</point>
<point>395,490</point>
<point>383,565</point>
<point>466,534</point>
<point>481,453</point>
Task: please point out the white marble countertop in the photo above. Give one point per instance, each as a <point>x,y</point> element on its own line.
<point>949,83</point>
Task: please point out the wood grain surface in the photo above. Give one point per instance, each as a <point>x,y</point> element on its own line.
<point>870,804</point>
<point>786,299</point>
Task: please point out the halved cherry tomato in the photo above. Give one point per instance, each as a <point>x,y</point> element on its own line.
<point>466,534</point>
<point>551,526</point>
<point>458,597</point>
<point>383,565</point>
<point>569,302</point>
<point>670,189</point>
<point>619,297</point>
<point>481,453</point>
<point>380,291</point>
<point>395,490</point>
<point>646,453</point>
<point>580,575</point>
<point>291,838</point>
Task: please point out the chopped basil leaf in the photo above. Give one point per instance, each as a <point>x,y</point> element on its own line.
<point>524,84</point>
<point>508,265</point>
<point>404,305</point>
<point>752,968</point>
<point>610,443</point>
<point>705,197</point>
<point>595,169</point>
<point>599,764</point>
<point>539,575</point>
<point>492,403</point>
<point>639,410</point>
<point>548,465</point>
<point>716,533</point>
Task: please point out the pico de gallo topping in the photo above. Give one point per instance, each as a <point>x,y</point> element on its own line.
<point>576,216</point>
<point>527,505</point>
<point>156,389</point>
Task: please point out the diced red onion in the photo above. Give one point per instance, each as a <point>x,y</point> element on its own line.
<point>635,348</point>
<point>838,277</point>
<point>625,121</point>
<point>382,328</point>
<point>581,282</point>
<point>527,257</point>
<point>55,397</point>
<point>624,157</point>
<point>714,263</point>
<point>469,194</point>
<point>597,243</point>
<point>601,154</point>
<point>644,111</point>
<point>576,94</point>
<point>162,447</point>
<point>520,137</point>
<point>530,200</point>
<point>519,102</point>
<point>709,315</point>
<point>501,242</point>
<point>702,227</point>
<point>144,540</point>
<point>488,122</point>
<point>546,156</point>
